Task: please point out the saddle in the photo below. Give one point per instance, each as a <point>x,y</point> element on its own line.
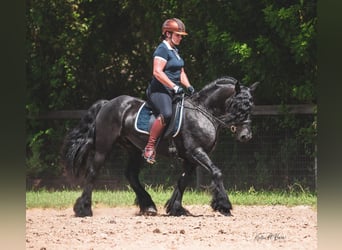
<point>145,118</point>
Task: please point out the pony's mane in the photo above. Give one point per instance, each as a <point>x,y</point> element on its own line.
<point>219,81</point>
<point>203,93</point>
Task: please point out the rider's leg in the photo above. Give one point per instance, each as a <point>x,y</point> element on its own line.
<point>162,103</point>
<point>156,130</point>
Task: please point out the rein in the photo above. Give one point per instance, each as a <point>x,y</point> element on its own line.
<point>211,116</point>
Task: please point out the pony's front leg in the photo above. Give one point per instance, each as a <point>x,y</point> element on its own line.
<point>174,204</point>
<point>220,201</point>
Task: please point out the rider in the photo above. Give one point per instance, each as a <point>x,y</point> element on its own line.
<point>168,76</point>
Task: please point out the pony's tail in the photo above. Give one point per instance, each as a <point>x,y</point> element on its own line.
<point>79,142</point>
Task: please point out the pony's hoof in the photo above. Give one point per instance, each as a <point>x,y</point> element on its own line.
<point>82,210</point>
<point>150,211</point>
<point>180,212</point>
<point>225,212</point>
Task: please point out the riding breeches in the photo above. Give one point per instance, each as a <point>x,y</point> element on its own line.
<point>162,103</point>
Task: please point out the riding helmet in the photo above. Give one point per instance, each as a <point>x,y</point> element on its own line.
<point>174,25</point>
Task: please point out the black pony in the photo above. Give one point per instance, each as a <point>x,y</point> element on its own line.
<point>222,103</point>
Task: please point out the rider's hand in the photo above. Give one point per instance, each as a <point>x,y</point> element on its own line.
<point>191,90</point>
<point>178,89</point>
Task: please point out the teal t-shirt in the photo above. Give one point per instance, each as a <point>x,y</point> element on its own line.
<point>174,64</point>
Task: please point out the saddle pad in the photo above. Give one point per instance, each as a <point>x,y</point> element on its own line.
<point>145,119</point>
<point>142,122</point>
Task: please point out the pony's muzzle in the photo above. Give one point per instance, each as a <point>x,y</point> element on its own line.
<point>245,135</point>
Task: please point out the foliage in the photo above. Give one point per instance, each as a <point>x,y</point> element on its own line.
<point>79,51</point>
<point>37,164</point>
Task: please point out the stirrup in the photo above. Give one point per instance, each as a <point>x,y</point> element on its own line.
<point>150,159</point>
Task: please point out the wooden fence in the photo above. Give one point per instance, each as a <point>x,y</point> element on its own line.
<point>257,110</point>
<point>262,111</point>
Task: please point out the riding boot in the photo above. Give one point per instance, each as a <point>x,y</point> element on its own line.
<point>156,130</point>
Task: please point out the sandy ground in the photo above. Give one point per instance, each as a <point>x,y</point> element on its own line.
<point>250,227</point>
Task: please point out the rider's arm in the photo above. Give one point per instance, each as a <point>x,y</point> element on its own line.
<point>158,72</point>
<point>184,79</point>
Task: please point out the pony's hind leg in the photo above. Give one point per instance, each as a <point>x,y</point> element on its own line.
<point>174,204</point>
<point>144,200</point>
<point>83,204</point>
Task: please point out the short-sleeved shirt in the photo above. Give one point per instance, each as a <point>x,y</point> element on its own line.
<point>174,64</point>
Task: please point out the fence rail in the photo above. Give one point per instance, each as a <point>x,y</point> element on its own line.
<point>257,110</point>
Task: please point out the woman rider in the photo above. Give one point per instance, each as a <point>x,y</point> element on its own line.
<point>168,76</point>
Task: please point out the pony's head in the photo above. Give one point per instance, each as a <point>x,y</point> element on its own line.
<point>231,102</point>
<point>238,108</point>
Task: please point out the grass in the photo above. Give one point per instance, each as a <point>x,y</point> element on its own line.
<point>66,198</point>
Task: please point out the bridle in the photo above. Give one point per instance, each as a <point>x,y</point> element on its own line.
<point>227,124</point>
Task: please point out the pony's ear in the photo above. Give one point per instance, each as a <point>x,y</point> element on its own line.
<point>253,86</point>
<point>237,88</point>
